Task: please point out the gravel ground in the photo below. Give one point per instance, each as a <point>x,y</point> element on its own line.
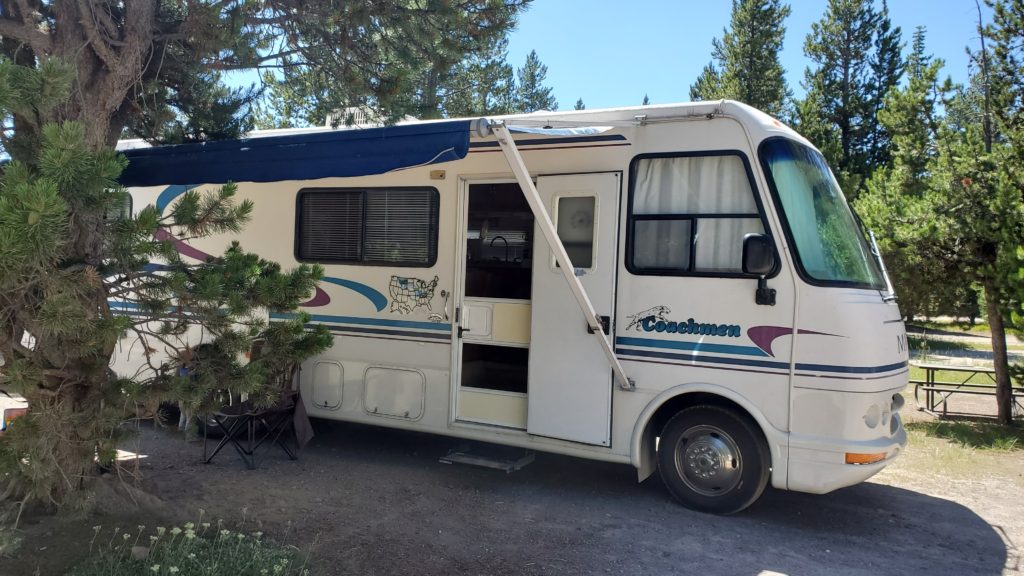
<point>376,501</point>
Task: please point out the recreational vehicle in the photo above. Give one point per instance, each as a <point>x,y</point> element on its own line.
<point>679,288</point>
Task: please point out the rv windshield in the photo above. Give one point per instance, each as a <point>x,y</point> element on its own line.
<point>828,243</point>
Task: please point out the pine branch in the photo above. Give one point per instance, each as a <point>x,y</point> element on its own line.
<point>100,45</point>
<point>27,32</point>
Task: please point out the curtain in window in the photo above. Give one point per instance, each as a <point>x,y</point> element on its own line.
<point>693,185</point>
<point>712,197</point>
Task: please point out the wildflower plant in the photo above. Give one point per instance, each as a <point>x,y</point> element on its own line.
<point>189,550</point>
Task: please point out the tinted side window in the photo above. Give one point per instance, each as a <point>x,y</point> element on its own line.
<point>377,226</point>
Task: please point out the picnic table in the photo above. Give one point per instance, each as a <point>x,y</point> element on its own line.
<point>938,392</point>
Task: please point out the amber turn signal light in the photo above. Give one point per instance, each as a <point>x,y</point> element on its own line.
<point>852,458</point>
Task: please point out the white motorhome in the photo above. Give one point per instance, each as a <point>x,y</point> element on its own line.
<point>679,287</point>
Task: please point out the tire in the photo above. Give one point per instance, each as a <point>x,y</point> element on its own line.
<point>713,459</point>
<point>206,426</point>
<point>168,413</point>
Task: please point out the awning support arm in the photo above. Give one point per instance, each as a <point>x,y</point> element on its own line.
<point>540,213</point>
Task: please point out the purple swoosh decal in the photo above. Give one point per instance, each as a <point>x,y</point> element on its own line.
<point>763,336</point>
<point>181,246</point>
<point>320,298</point>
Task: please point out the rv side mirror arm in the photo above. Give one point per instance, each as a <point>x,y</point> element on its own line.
<point>764,296</point>
<point>759,259</point>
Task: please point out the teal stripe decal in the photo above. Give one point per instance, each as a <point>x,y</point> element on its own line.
<point>368,321</point>
<point>379,300</point>
<point>169,194</point>
<point>696,346</point>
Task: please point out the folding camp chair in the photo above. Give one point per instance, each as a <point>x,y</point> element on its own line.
<point>248,428</point>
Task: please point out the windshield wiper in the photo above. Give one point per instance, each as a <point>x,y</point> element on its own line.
<point>891,297</point>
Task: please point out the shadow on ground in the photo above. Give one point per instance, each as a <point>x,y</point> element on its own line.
<point>377,501</point>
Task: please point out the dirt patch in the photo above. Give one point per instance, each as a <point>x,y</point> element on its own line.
<point>376,501</point>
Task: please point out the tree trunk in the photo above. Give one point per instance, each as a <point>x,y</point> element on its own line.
<point>1004,397</point>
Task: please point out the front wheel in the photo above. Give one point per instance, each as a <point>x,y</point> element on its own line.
<point>713,460</point>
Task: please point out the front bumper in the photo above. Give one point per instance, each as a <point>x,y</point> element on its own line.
<point>818,466</point>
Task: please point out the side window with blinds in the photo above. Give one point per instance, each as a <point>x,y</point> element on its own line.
<point>689,214</point>
<point>376,227</point>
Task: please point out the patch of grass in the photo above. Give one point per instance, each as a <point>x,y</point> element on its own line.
<point>917,343</point>
<point>979,435</point>
<point>978,328</point>
<point>986,346</point>
<point>190,550</point>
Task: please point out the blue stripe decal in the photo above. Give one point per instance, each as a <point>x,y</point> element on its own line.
<point>697,346</point>
<point>369,321</point>
<point>537,141</point>
<point>122,312</point>
<point>435,326</point>
<point>385,332</point>
<point>851,369</point>
<point>134,309</point>
<point>169,194</point>
<point>379,300</point>
<point>762,363</point>
<point>703,358</point>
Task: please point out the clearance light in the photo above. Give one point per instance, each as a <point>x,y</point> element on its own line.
<point>10,414</point>
<point>852,458</point>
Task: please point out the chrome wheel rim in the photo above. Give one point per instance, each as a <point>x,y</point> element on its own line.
<point>708,460</point>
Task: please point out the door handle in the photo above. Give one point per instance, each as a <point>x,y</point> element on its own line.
<point>606,325</point>
<point>458,321</point>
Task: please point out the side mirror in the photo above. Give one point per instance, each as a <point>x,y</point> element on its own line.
<point>758,254</point>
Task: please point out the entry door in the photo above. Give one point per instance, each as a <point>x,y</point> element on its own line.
<point>570,379</point>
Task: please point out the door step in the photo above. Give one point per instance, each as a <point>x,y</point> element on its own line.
<point>489,456</point>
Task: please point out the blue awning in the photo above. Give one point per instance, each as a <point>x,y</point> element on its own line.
<point>337,153</point>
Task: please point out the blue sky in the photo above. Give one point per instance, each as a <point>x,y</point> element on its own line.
<point>611,53</point>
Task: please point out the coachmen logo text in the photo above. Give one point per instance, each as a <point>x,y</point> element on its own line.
<point>655,319</point>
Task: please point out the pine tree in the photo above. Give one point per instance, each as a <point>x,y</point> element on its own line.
<point>977,217</point>
<point>531,93</point>
<point>886,70</point>
<point>67,249</point>
<point>856,53</point>
<point>200,108</point>
<point>745,61</point>
<point>897,202</point>
<point>708,85</point>
<point>951,203</point>
<point>1002,129</point>
<point>579,105</point>
<point>480,83</point>
<point>56,348</point>
<point>646,101</point>
<point>483,84</point>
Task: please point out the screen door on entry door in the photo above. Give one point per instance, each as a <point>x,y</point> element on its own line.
<point>570,379</point>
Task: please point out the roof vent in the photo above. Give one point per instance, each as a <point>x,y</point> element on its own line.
<point>358,117</point>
